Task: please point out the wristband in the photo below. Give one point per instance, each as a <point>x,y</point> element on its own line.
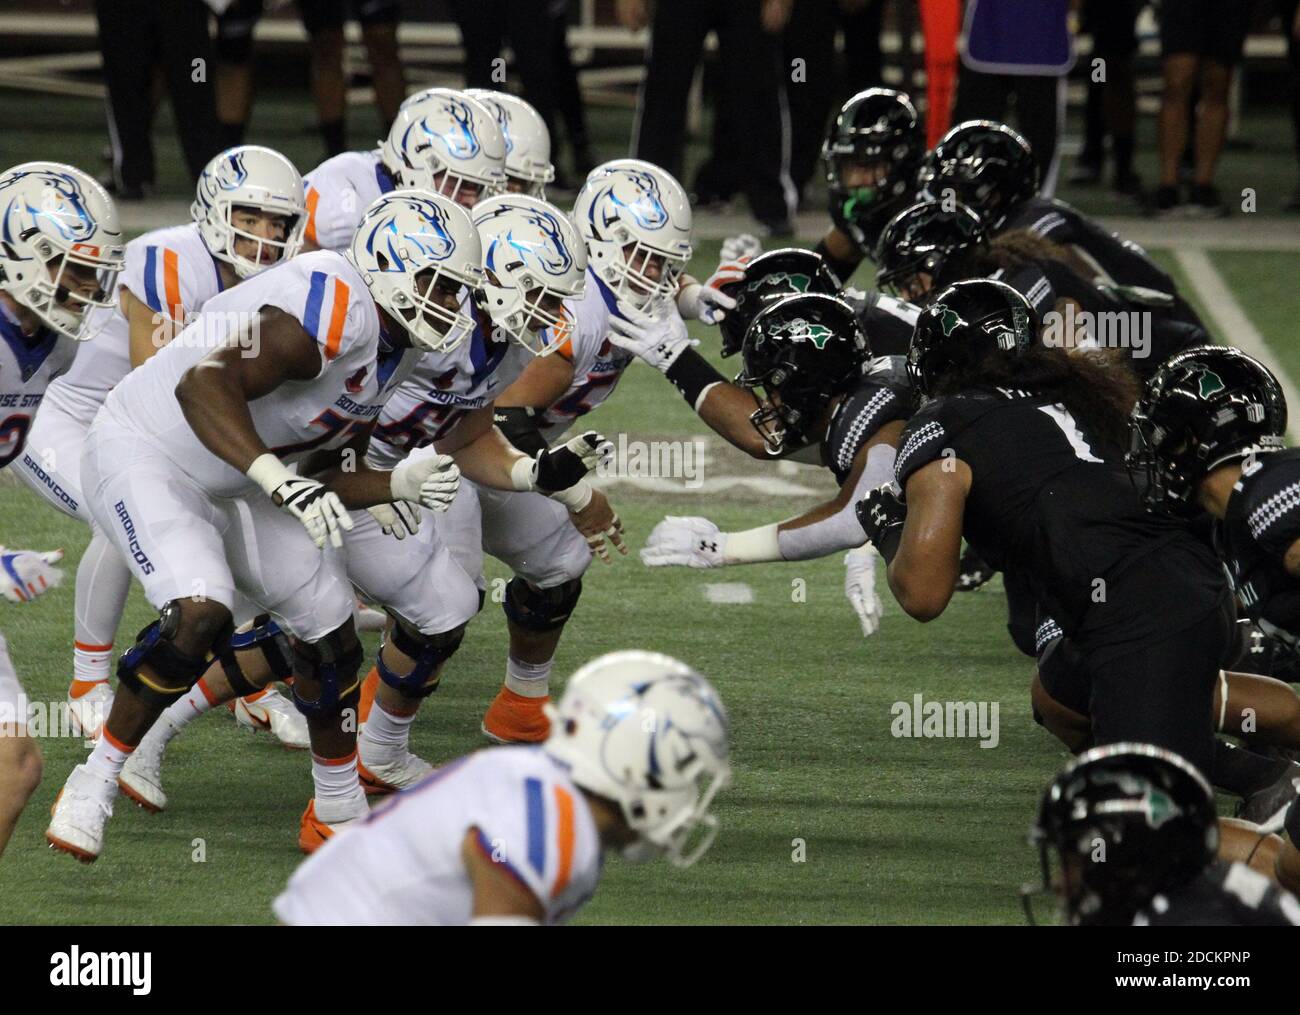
<point>269,472</point>
<point>753,546</point>
<point>692,374</point>
<point>523,474</point>
<point>575,497</point>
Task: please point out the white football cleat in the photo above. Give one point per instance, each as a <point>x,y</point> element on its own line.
<point>87,712</point>
<point>382,777</point>
<point>141,776</point>
<point>79,814</point>
<point>275,713</point>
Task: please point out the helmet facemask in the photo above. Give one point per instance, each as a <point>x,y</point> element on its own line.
<point>226,234</point>
<point>675,824</point>
<point>63,294</point>
<point>536,310</point>
<point>632,284</point>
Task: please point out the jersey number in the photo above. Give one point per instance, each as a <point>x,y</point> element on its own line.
<point>13,430</point>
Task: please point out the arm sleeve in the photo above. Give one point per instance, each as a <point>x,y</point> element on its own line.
<point>841,531</point>
<point>521,427</point>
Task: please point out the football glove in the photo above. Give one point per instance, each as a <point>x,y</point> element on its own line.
<point>685,542</point>
<point>398,519</point>
<point>734,248</point>
<point>881,513</point>
<point>559,468</point>
<point>972,572</point>
<point>321,512</point>
<point>428,479</point>
<point>860,588</point>
<point>705,302</point>
<point>26,574</point>
<point>658,340</point>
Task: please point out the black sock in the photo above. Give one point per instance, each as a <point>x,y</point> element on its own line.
<point>333,134</point>
<point>1122,150</point>
<point>232,134</point>
<point>1243,772</point>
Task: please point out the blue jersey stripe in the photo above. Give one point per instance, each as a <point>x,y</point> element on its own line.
<point>315,297</point>
<point>536,825</point>
<point>151,279</point>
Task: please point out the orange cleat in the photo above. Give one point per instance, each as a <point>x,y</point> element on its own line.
<point>314,833</point>
<point>368,688</point>
<point>515,719</point>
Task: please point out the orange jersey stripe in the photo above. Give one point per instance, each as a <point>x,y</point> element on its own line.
<point>313,198</point>
<point>338,314</point>
<point>172,286</point>
<point>564,837</point>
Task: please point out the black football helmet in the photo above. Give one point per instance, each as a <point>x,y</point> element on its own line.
<point>965,322</point>
<point>800,352</point>
<point>880,127</point>
<point>1128,821</point>
<point>922,239</point>
<point>768,278</point>
<point>986,165</point>
<point>1202,408</point>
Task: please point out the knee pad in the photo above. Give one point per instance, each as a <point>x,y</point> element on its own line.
<point>334,667</point>
<point>537,609</point>
<point>266,635</point>
<point>429,652</point>
<point>174,672</point>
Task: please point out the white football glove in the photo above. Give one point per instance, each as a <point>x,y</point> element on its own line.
<point>743,246</point>
<point>706,302</point>
<point>658,340</point>
<point>26,574</point>
<point>321,512</point>
<point>860,588</point>
<point>428,479</point>
<point>684,542</point>
<point>398,519</point>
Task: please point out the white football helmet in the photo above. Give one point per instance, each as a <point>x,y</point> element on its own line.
<point>61,245</point>
<point>631,217</point>
<point>410,243</point>
<point>528,142</point>
<point>530,252</point>
<point>650,734</point>
<point>249,176</point>
<point>443,132</point>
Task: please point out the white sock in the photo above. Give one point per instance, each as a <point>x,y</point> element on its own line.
<point>103,581</point>
<point>532,680</point>
<point>185,710</point>
<point>339,796</point>
<point>108,757</point>
<point>385,735</point>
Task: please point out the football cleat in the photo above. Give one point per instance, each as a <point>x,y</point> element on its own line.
<point>513,718</point>
<point>367,701</point>
<point>88,706</point>
<point>381,777</point>
<point>314,833</point>
<point>141,776</point>
<point>80,812</point>
<point>273,712</point>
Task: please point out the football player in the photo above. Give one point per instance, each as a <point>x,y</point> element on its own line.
<point>991,168</point>
<point>528,143</point>
<point>1017,451</point>
<point>58,266</point>
<point>1134,832</point>
<point>187,467</point>
<point>872,153</point>
<point>516,835</point>
<point>442,141</point>
<point>248,214</point>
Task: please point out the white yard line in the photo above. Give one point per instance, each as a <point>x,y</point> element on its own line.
<point>1231,323</point>
<point>731,593</point>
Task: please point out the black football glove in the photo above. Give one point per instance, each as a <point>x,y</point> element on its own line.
<point>560,468</point>
<point>973,571</point>
<point>881,514</point>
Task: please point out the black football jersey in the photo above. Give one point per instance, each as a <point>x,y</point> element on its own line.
<point>1224,895</point>
<point>1054,505</point>
<point>1261,523</point>
<point>1042,281</point>
<point>887,322</point>
<point>883,394</point>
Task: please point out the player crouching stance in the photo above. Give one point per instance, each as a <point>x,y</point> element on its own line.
<point>515,835</point>
<point>1134,828</point>
<point>286,367</point>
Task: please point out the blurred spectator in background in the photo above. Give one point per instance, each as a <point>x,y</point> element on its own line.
<point>1112,101</point>
<point>1291,28</point>
<point>323,21</point>
<point>568,100</point>
<point>136,36</point>
<point>1201,42</point>
<point>810,37</point>
<point>756,129</point>
<point>1018,51</point>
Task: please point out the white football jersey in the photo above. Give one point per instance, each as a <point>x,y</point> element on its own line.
<point>172,272</point>
<point>330,299</point>
<point>444,387</point>
<point>339,191</point>
<point>402,865</point>
<point>27,366</point>
<point>597,362</point>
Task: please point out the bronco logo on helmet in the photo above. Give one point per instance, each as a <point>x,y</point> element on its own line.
<point>63,207</point>
<point>646,208</point>
<point>434,242</point>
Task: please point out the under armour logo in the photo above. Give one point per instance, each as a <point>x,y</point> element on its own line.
<point>711,547</point>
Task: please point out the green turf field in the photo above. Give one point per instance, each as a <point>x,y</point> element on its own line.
<point>830,819</point>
